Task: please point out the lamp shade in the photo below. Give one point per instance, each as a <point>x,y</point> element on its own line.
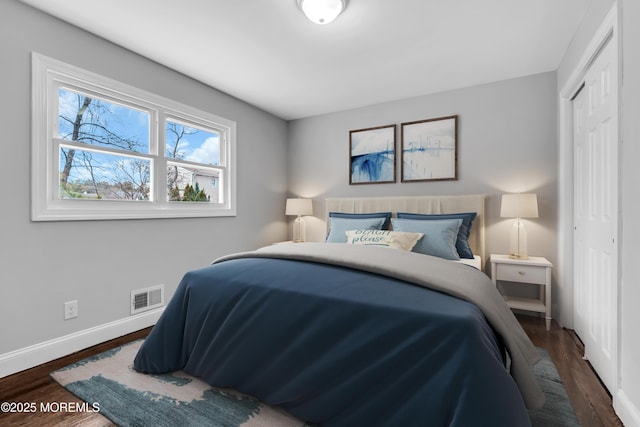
<point>322,11</point>
<point>299,207</point>
<point>519,206</point>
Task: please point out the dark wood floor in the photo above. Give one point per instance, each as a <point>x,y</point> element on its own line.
<point>35,386</point>
<point>588,397</point>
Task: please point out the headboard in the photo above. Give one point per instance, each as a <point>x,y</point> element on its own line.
<point>419,204</point>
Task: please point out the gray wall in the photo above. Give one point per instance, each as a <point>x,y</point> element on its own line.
<point>630,289</point>
<point>506,143</point>
<point>100,262</point>
<point>627,397</point>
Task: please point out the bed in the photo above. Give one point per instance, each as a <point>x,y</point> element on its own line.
<point>354,334</point>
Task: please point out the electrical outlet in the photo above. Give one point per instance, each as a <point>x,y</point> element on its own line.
<point>70,309</point>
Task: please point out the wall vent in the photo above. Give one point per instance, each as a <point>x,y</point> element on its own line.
<point>146,299</point>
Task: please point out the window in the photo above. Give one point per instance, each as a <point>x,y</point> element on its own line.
<point>104,150</point>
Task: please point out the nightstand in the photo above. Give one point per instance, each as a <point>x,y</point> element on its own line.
<point>534,270</point>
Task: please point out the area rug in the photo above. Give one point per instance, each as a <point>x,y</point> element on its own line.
<point>557,410</point>
<point>108,383</point>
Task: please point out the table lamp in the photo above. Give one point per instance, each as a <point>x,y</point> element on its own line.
<point>299,207</point>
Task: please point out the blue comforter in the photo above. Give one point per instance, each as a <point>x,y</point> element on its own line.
<point>336,346</point>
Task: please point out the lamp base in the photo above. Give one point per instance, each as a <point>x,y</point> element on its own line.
<point>298,230</point>
<point>518,241</point>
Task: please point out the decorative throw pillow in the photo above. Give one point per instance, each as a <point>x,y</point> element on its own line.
<point>439,236</point>
<point>462,242</point>
<point>338,227</point>
<point>388,238</point>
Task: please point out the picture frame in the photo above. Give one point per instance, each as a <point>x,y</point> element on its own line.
<point>372,155</point>
<point>429,149</point>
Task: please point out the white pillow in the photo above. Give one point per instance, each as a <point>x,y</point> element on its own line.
<point>392,239</point>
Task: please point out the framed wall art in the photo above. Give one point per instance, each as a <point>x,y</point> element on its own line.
<point>430,149</point>
<point>372,155</point>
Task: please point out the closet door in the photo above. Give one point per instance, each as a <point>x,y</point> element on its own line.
<point>596,215</point>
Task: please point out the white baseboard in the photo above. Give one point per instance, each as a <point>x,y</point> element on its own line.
<point>626,410</point>
<point>37,354</point>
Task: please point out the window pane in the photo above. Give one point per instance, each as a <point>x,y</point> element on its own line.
<point>192,144</point>
<point>93,121</point>
<point>191,184</point>
<point>86,174</point>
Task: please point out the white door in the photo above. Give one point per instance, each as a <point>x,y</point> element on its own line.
<point>596,214</point>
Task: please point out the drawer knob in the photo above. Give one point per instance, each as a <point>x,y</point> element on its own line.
<point>521,273</point>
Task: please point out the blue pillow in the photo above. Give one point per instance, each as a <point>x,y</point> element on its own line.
<point>462,243</point>
<point>439,236</point>
<point>385,215</point>
<point>338,227</point>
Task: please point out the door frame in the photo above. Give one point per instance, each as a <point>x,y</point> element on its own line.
<point>565,274</point>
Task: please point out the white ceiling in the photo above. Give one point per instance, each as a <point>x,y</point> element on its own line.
<point>268,54</point>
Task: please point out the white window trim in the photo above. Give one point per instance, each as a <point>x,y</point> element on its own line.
<point>47,74</point>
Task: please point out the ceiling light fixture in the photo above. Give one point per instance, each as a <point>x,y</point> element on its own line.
<point>322,11</point>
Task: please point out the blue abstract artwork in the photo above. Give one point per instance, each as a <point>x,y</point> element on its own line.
<point>429,149</point>
<point>373,155</point>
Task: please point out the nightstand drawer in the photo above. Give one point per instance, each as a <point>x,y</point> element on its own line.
<point>521,273</point>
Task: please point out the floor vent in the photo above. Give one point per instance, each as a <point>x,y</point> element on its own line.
<point>146,299</point>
